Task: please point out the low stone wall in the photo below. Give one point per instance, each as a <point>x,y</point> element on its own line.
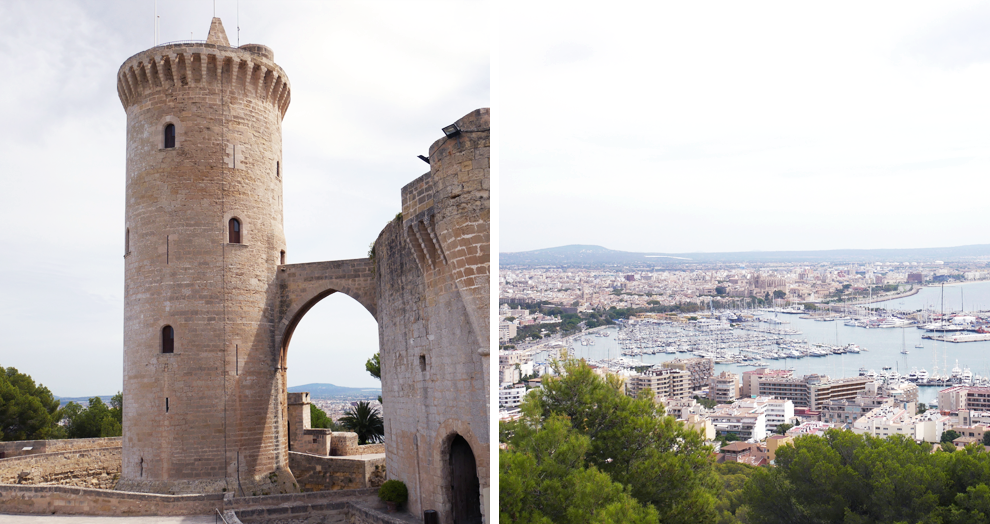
<point>63,500</point>
<point>19,448</point>
<point>323,513</point>
<point>91,468</point>
<point>319,473</point>
<point>370,449</point>
<point>345,444</point>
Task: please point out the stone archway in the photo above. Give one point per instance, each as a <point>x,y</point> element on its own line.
<point>302,286</point>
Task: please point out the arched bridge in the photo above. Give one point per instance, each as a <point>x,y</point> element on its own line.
<point>301,286</point>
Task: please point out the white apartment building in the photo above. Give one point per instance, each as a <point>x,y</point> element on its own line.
<point>511,397</point>
<point>746,423</point>
<point>777,411</point>
<point>886,421</point>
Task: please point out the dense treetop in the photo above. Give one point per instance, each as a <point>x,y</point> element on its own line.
<point>585,452</point>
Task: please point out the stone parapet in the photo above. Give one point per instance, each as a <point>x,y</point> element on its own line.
<point>248,71</point>
<point>64,500</point>
<point>19,448</point>
<point>91,468</point>
<point>322,473</point>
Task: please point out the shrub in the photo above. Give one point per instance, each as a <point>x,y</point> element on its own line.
<point>393,491</point>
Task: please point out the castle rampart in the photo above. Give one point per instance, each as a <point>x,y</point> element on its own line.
<point>248,71</point>
<point>432,273</point>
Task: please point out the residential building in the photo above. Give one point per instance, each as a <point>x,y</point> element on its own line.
<point>701,424</point>
<point>511,397</point>
<point>777,411</point>
<point>669,383</point>
<point>774,442</point>
<point>809,428</point>
<point>506,331</point>
<point>744,422</point>
<point>701,370</point>
<point>748,385</point>
<point>724,388</point>
<point>973,398</point>
<point>811,391</point>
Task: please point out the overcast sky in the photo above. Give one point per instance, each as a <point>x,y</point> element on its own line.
<point>705,126</point>
<point>372,84</point>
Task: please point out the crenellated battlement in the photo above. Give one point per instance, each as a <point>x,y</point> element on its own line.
<point>248,70</point>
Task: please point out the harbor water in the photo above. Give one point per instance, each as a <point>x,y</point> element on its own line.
<point>883,346</point>
<point>973,296</point>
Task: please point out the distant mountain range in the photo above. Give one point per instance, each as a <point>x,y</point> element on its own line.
<point>332,391</point>
<point>588,256</point>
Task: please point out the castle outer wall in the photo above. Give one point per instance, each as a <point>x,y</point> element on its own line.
<point>432,273</point>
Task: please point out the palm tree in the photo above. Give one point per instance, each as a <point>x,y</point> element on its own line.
<point>366,421</point>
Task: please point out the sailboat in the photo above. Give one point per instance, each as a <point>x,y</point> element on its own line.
<point>904,350</point>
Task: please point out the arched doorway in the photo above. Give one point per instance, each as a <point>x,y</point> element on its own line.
<point>465,488</point>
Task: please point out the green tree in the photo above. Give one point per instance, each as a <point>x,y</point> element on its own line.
<point>319,419</point>
<point>949,435</point>
<point>663,463</point>
<point>364,420</point>
<point>27,411</point>
<point>96,420</point>
<point>374,366</point>
<point>986,438</point>
<point>845,477</point>
<point>782,428</point>
<point>721,290</point>
<point>706,402</point>
<point>777,293</point>
<point>544,478</point>
<point>921,408</point>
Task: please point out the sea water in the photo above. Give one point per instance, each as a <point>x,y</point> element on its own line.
<point>883,345</point>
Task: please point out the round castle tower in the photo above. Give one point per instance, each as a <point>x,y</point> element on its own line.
<point>204,239</point>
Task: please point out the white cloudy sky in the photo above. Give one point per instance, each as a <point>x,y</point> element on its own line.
<point>373,83</point>
<point>707,126</point>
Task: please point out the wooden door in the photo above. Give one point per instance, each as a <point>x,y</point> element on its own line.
<point>465,489</point>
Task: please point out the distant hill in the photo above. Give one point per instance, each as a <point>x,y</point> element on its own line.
<point>82,401</point>
<point>590,256</point>
<point>332,391</point>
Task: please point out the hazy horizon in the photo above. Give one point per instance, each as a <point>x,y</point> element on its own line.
<point>728,127</point>
<point>749,251</point>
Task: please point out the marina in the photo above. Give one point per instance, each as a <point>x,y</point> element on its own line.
<point>828,348</point>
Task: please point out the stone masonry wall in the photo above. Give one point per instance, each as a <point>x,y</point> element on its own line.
<point>208,417</point>
<point>19,448</point>
<point>432,276</point>
<point>316,473</point>
<point>93,468</point>
<point>64,500</point>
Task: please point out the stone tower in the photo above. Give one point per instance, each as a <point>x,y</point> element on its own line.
<point>203,387</point>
